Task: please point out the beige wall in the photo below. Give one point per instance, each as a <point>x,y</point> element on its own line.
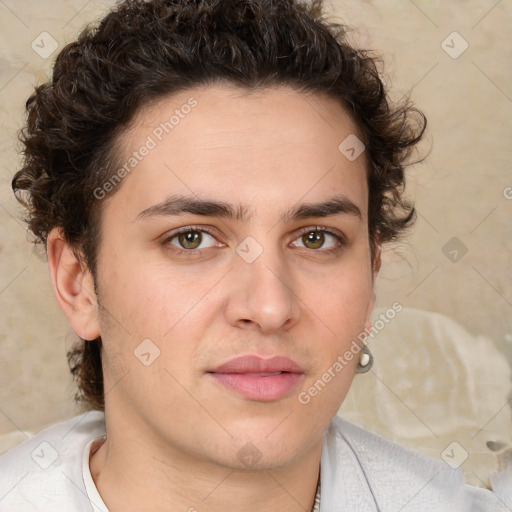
<point>459,189</point>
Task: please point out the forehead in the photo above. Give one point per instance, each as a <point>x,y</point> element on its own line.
<point>259,149</point>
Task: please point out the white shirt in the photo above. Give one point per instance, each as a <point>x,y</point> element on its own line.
<point>360,471</point>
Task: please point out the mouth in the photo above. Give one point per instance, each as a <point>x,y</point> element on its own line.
<point>259,379</point>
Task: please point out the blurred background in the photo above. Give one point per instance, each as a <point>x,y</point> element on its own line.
<point>453,58</point>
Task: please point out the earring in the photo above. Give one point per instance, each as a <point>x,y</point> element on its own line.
<point>365,361</point>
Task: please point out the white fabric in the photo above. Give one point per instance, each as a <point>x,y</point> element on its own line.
<point>434,383</point>
<point>360,471</point>
<point>90,487</point>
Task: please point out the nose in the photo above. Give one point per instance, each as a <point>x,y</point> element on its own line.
<point>261,295</point>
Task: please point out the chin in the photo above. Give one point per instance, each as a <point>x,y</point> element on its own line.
<point>263,452</point>
<point>250,458</point>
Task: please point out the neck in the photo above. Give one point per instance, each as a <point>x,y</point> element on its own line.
<point>132,473</point>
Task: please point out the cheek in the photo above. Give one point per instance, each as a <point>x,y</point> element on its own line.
<point>345,298</point>
<point>148,299</point>
<point>340,313</point>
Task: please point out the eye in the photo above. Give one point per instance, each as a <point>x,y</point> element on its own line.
<point>315,238</point>
<point>190,238</point>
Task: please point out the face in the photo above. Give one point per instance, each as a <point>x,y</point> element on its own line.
<point>233,270</point>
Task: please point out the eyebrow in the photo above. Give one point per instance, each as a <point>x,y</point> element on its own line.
<point>179,205</point>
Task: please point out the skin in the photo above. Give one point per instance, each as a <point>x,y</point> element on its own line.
<point>174,434</point>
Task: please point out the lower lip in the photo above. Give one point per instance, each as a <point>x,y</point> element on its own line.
<point>263,388</point>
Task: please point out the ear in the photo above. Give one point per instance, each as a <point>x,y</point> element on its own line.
<point>376,264</point>
<point>73,286</point>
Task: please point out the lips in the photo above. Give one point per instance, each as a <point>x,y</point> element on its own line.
<point>257,364</point>
<point>257,378</point>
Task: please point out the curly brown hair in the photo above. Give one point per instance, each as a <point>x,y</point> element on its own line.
<point>144,50</point>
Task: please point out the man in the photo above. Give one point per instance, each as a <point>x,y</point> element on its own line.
<point>213,181</point>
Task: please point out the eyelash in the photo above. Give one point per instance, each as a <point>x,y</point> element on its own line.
<point>339,238</point>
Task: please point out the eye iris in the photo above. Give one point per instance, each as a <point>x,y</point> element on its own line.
<point>314,237</point>
<point>190,239</point>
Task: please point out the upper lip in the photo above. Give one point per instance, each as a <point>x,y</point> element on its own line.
<point>258,364</point>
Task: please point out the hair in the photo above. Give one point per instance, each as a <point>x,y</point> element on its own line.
<point>143,51</point>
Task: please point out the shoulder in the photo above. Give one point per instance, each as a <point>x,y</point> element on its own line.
<point>394,476</point>
<point>45,471</point>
